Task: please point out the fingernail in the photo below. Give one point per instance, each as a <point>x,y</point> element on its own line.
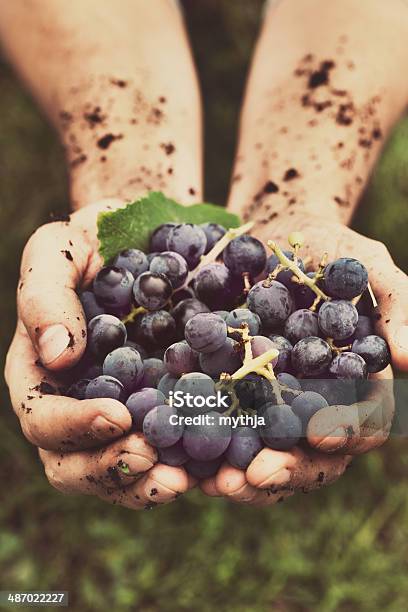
<point>102,429</point>
<point>401,337</point>
<point>53,342</point>
<point>334,440</point>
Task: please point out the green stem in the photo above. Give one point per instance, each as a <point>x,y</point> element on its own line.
<point>136,310</point>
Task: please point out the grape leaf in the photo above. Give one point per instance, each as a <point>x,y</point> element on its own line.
<point>132,226</point>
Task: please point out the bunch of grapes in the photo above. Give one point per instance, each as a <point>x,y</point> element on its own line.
<point>208,318</point>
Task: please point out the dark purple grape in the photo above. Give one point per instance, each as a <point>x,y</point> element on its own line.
<point>282,429</point>
<point>167,384</point>
<point>273,304</point>
<point>375,352</point>
<point>306,404</point>
<point>112,287</point>
<point>311,356</point>
<point>301,324</point>
<point>188,240</point>
<point>138,347</point>
<point>90,305</point>
<point>285,350</point>
<point>348,366</point>
<point>161,426</point>
<point>193,394</point>
<point>158,240</point>
<point>213,233</point>
<point>338,319</point>
<point>126,365</point>
<point>345,278</point>
<point>180,359</point>
<point>156,329</point>
<point>172,265</point>
<point>152,291</point>
<point>203,469</point>
<point>182,294</point>
<point>214,286</point>
<point>208,440</point>
<point>153,370</point>
<point>304,295</point>
<point>141,402</point>
<point>133,260</point>
<point>185,310</point>
<point>254,391</point>
<point>173,455</point>
<point>105,333</point>
<point>364,327</point>
<point>206,332</point>
<point>245,444</point>
<point>226,359</point>
<point>260,345</point>
<point>241,316</point>
<point>285,276</point>
<point>336,392</point>
<point>105,386</point>
<point>78,389</point>
<point>245,254</point>
<point>292,383</point>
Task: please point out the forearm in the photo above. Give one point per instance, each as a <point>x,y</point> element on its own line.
<point>117,80</point>
<point>324,91</point>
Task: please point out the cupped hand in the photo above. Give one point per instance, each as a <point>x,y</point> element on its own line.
<point>334,434</point>
<point>86,446</point>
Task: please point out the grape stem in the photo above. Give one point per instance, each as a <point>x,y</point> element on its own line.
<point>136,310</point>
<point>217,249</point>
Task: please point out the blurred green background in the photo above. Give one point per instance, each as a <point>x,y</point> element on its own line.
<point>343,548</point>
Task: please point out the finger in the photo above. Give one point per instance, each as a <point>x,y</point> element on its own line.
<point>161,485</point>
<point>209,487</point>
<point>232,483</point>
<point>54,260</point>
<point>285,472</point>
<point>115,466</point>
<point>52,421</point>
<point>357,428</point>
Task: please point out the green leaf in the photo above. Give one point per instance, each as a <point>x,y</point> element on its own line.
<point>132,226</point>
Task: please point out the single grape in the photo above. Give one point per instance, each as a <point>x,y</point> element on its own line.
<point>208,440</point>
<point>180,359</point>
<point>78,389</point>
<point>215,286</point>
<point>365,304</point>
<point>226,359</point>
<point>191,393</point>
<point>301,324</point>
<point>185,310</point>
<point>90,305</point>
<point>182,294</point>
<point>285,351</point>
<point>206,332</point>
<point>364,327</point>
<point>238,317</point>
<point>260,345</point>
<point>222,313</point>
<point>245,254</point>
<point>138,347</point>
<point>285,276</point>
<point>282,429</point>
<point>348,366</point>
<point>167,384</point>
<point>213,232</point>
<point>112,287</point>
<point>153,370</point>
<point>141,402</point>
<point>304,295</point>
<point>245,444</point>
<point>92,371</point>
<point>126,365</point>
<point>203,469</point>
<point>287,380</point>
<point>311,356</point>
<point>156,329</point>
<point>105,386</point>
<point>173,455</point>
<point>105,333</point>
<point>254,391</point>
<point>273,304</point>
<point>172,265</point>
<point>158,240</point>
<point>159,429</point>
<point>152,291</point>
<point>338,319</point>
<point>306,404</point>
<point>189,241</point>
<point>374,350</point>
<point>345,278</point>
<point>133,260</point>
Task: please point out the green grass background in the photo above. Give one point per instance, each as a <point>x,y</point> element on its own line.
<point>343,548</point>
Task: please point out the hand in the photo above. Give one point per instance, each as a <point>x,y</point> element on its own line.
<point>348,430</point>
<point>85,445</point>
